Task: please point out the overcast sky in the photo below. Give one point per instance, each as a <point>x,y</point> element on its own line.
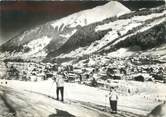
<point>16,17</point>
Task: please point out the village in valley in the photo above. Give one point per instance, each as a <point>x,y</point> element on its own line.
<point>135,77</point>
<point>94,57</point>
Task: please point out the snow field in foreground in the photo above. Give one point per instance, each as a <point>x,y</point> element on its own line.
<point>138,104</point>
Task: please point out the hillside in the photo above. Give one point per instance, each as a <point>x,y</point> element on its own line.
<point>98,50</point>
<point>101,30</point>
<point>134,31</point>
<point>44,39</point>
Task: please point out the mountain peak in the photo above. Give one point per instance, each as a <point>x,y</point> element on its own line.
<point>96,14</point>
<point>95,30</point>
<point>116,8</point>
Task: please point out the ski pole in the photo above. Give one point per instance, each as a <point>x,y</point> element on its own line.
<point>105,103</point>
<point>67,94</point>
<point>105,98</point>
<point>51,88</point>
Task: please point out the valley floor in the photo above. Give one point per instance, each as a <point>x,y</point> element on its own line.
<point>32,99</point>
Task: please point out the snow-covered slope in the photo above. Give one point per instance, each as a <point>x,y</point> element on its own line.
<point>96,14</point>
<point>53,35</point>
<point>120,30</point>
<point>141,103</point>
<point>103,29</point>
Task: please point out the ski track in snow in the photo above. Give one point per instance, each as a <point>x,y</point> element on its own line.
<point>31,104</point>
<point>81,96</point>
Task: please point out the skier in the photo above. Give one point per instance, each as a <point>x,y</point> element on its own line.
<point>60,86</point>
<point>94,78</point>
<point>113,98</point>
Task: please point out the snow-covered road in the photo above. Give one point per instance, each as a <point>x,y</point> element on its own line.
<point>23,103</point>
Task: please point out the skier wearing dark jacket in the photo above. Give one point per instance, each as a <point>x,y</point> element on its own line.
<point>60,86</point>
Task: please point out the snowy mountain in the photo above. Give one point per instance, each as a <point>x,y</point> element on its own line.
<point>136,32</point>
<point>54,34</point>
<point>109,29</point>
<point>96,14</point>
